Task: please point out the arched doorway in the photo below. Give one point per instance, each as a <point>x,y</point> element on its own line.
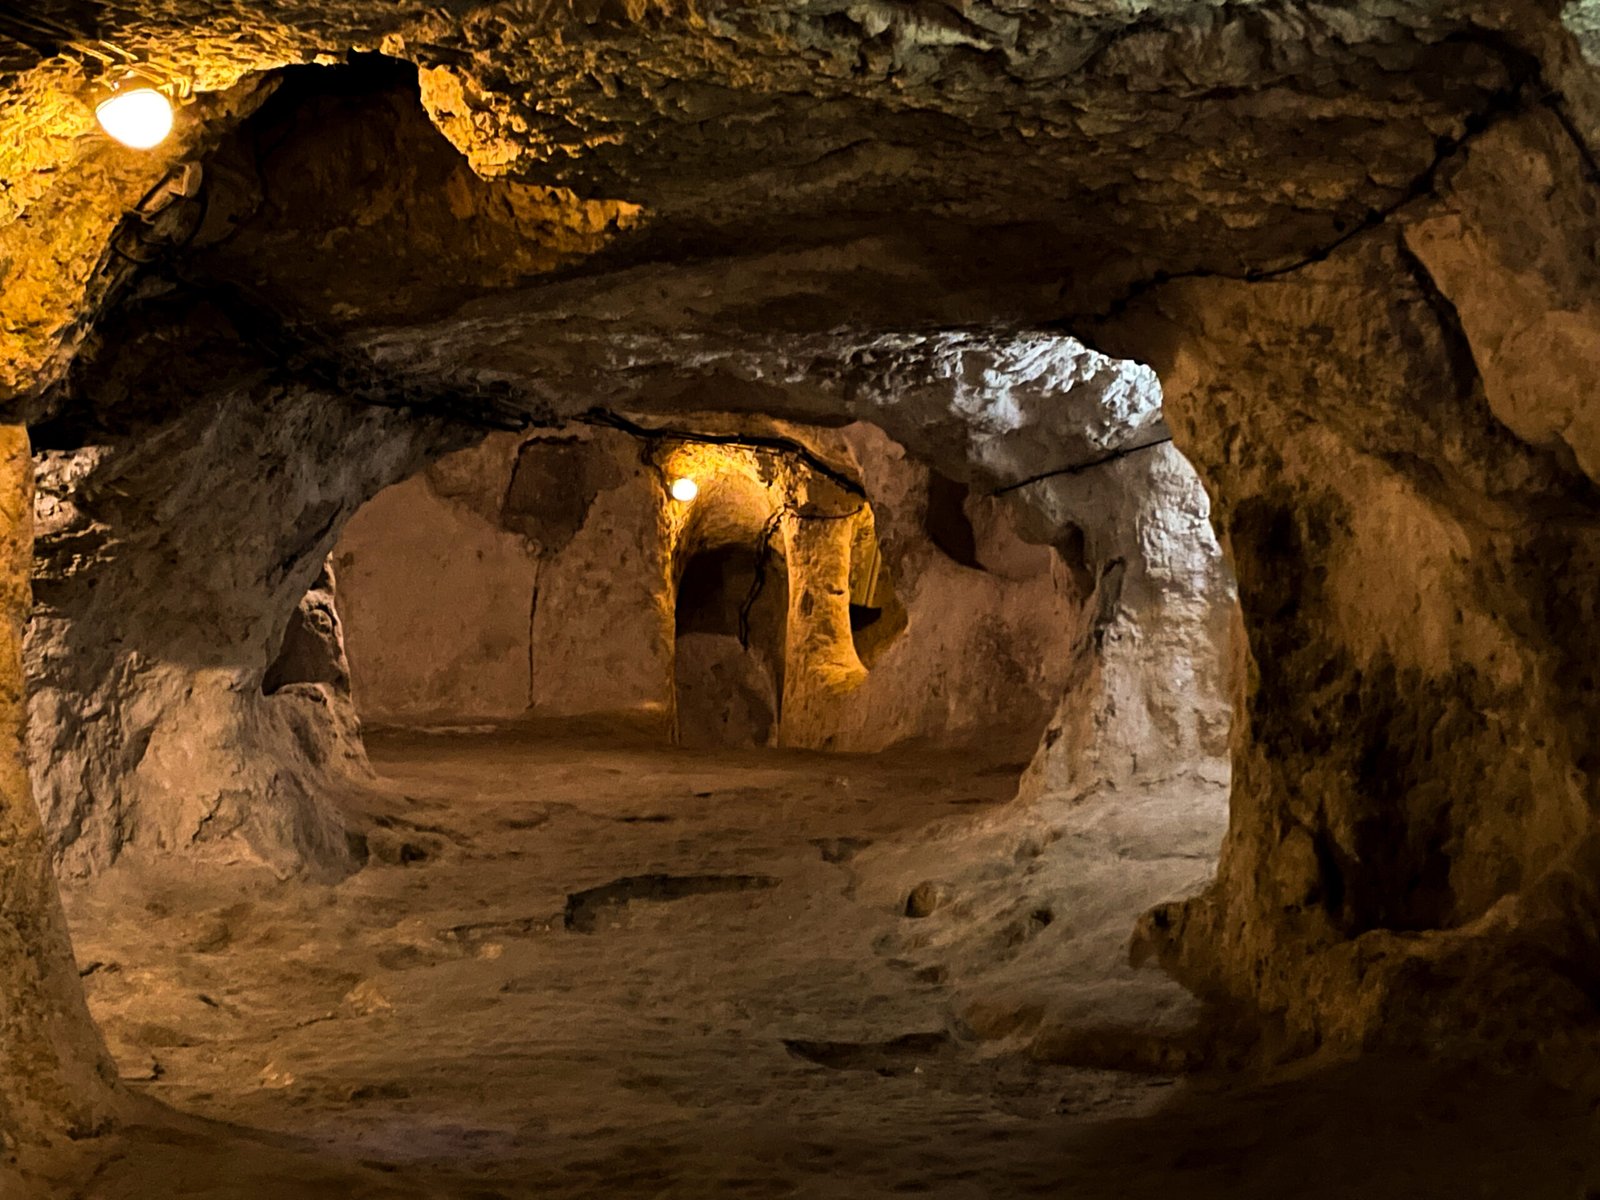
<point>730,639</point>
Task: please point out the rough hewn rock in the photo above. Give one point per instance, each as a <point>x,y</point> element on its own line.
<point>981,655</point>
<point>1411,806</point>
<point>437,598</point>
<point>454,618</point>
<point>1356,241</point>
<point>1175,141</point>
<point>176,548</point>
<point>55,1076</point>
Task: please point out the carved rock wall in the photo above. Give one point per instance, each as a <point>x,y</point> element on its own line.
<point>436,596</point>
<point>55,1075</point>
<point>1399,451</point>
<point>1357,242</point>
<point>176,550</point>
<point>471,591</point>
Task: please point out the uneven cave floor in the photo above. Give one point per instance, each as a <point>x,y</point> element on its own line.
<point>432,1027</point>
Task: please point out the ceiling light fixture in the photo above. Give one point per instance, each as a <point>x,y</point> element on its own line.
<point>684,489</point>
<point>134,103</point>
<point>136,112</point>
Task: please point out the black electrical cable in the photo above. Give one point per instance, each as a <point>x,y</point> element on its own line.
<point>764,556</point>
<point>1077,468</point>
<point>129,258</point>
<point>297,351</point>
<point>24,29</point>
<point>165,248</point>
<point>40,22</point>
<point>755,441</point>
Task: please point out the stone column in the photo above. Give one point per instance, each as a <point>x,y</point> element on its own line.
<point>1151,700</point>
<point>822,660</point>
<point>55,1075</point>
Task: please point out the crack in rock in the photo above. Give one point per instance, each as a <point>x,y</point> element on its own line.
<point>584,908</point>
<point>891,1057</point>
<point>481,931</point>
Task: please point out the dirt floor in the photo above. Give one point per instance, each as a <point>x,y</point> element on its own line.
<point>575,968</point>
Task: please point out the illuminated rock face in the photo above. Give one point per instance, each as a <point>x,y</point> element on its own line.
<point>1410,852</point>
<point>55,1075</point>
<point>1357,246</point>
<point>169,724</point>
<point>185,720</point>
<point>469,594</point>
<point>1075,135</point>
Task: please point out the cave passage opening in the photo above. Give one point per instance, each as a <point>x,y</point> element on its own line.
<point>350,733</point>
<point>731,638</point>
<point>487,673</point>
<point>424,749</point>
<point>470,713</point>
<point>502,649</point>
<point>778,605</point>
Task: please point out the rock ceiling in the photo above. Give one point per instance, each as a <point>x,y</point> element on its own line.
<point>984,162</point>
<point>1357,242</point>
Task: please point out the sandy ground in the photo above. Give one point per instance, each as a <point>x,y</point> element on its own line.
<point>751,1014</point>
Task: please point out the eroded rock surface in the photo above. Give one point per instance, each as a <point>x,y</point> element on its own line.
<point>55,1075</point>
<point>1400,482</point>
<point>472,595</point>
<point>1356,242</point>
<point>177,549</point>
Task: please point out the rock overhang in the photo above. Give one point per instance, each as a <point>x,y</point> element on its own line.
<point>1027,163</point>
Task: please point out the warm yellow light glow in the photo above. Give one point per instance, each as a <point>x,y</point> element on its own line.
<point>140,116</point>
<point>684,489</point>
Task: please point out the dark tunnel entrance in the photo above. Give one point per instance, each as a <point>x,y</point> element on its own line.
<point>730,638</point>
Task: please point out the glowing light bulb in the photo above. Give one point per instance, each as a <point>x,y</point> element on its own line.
<point>684,489</point>
<point>140,117</point>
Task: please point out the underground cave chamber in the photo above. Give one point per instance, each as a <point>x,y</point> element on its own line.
<point>560,577</point>
<point>411,705</point>
<point>768,601</point>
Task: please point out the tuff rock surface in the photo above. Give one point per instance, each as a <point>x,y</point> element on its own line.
<point>55,1075</point>
<point>471,592</point>
<point>214,717</point>
<point>1356,244</point>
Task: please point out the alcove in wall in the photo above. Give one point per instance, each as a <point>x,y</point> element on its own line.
<point>730,627</point>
